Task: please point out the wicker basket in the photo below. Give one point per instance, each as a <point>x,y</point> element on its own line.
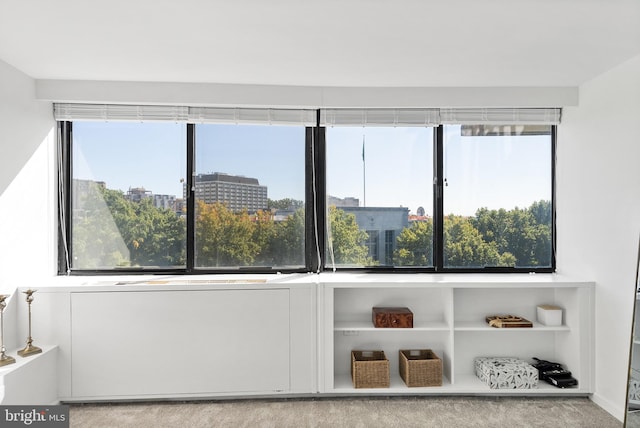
<point>369,369</point>
<point>420,367</point>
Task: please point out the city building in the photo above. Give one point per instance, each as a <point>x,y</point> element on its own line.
<point>236,192</point>
<point>383,225</point>
<point>165,202</point>
<point>137,194</point>
<point>348,201</point>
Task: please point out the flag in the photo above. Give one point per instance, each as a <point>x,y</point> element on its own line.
<point>363,148</point>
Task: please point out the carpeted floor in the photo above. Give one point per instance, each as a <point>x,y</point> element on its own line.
<point>405,412</point>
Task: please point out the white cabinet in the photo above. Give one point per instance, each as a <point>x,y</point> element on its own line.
<point>180,343</point>
<point>180,340</point>
<point>449,318</point>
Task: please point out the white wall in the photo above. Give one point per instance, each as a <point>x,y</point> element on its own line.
<point>24,122</point>
<point>27,216</point>
<point>598,213</point>
<point>238,95</point>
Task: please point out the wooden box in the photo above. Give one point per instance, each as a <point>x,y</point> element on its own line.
<point>387,317</point>
<point>508,321</point>
<point>420,367</point>
<point>369,369</point>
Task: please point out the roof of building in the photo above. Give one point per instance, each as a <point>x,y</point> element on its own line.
<point>227,178</point>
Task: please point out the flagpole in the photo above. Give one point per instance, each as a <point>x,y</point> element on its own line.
<point>364,177</point>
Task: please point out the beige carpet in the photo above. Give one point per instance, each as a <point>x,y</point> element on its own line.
<point>403,412</point>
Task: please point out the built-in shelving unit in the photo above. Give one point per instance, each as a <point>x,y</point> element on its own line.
<point>290,335</point>
<point>449,318</point>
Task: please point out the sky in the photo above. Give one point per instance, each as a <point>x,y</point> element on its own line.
<point>397,169</point>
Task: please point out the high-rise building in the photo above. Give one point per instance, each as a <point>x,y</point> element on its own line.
<point>236,192</point>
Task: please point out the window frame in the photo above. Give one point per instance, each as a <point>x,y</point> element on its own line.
<point>438,224</point>
<point>65,249</point>
<point>316,214</point>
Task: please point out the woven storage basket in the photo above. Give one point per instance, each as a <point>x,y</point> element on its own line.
<point>420,367</point>
<point>369,369</point>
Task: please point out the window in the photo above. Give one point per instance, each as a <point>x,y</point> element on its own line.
<point>126,206</point>
<point>191,190</point>
<point>378,179</point>
<point>389,246</point>
<point>497,196</point>
<point>148,190</point>
<point>372,245</point>
<point>259,219</point>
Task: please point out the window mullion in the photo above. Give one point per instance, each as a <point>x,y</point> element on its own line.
<point>315,219</point>
<point>553,196</point>
<point>190,196</point>
<point>438,205</point>
<point>65,136</point>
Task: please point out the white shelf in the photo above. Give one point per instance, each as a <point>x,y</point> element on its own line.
<point>471,383</point>
<point>464,384</point>
<point>452,280</point>
<point>368,326</point>
<point>482,326</point>
<point>449,318</point>
<point>343,384</point>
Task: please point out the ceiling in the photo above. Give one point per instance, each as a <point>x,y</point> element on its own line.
<point>378,43</point>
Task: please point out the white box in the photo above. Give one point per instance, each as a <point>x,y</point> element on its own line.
<point>550,315</point>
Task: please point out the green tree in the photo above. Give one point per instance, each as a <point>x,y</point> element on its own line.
<point>464,246</point>
<point>156,237</point>
<point>224,238</point>
<point>111,231</point>
<point>284,204</point>
<point>288,243</point>
<point>348,241</point>
<point>541,211</point>
<point>97,242</point>
<point>525,233</point>
<point>414,245</point>
<point>264,231</point>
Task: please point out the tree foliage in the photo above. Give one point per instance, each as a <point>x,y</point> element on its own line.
<point>347,239</point>
<point>223,238</point>
<point>287,246</point>
<point>285,204</point>
<point>465,247</point>
<point>415,245</point>
<point>525,233</point>
<point>111,231</point>
<point>518,237</point>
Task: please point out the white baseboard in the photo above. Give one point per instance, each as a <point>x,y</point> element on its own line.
<point>615,409</point>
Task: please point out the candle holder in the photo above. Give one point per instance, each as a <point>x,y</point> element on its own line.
<point>29,349</point>
<point>4,358</point>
